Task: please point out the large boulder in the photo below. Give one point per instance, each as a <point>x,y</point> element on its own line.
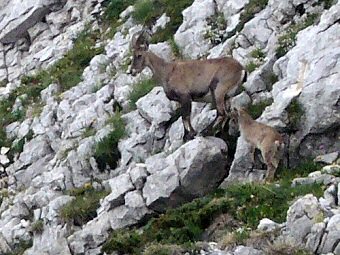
<point>193,170</point>
<point>16,18</point>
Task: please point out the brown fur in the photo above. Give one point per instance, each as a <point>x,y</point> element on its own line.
<point>193,80</point>
<point>264,138</point>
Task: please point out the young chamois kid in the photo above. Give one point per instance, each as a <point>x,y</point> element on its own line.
<point>262,137</point>
<point>193,80</point>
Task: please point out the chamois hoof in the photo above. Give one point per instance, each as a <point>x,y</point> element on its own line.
<point>189,136</point>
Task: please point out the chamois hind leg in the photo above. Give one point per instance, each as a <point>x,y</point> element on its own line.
<point>220,94</point>
<point>271,168</point>
<point>189,132</point>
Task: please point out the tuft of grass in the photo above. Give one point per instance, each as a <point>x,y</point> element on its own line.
<point>249,11</point>
<point>106,151</point>
<point>173,9</point>
<point>303,169</point>
<point>326,3</point>
<point>251,66</point>
<point>176,50</point>
<point>20,248</point>
<point>139,90</point>
<point>114,7</point>
<point>66,71</point>
<point>247,203</point>
<point>144,12</point>
<point>38,226</point>
<point>83,208</point>
<point>256,110</point>
<point>295,113</point>
<point>258,54</point>
<point>288,40</point>
<point>89,131</point>
<point>162,249</point>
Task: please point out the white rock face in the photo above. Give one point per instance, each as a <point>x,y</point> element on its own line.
<point>190,35</point>
<point>19,16</point>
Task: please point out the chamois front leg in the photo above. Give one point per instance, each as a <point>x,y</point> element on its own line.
<point>189,132</point>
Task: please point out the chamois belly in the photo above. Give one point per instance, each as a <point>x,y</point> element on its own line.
<point>203,96</point>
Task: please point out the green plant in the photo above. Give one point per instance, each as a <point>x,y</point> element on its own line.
<point>37,226</point>
<point>139,90</point>
<point>89,131</point>
<point>144,12</point>
<point>256,110</point>
<point>83,208</point>
<point>288,40</point>
<point>173,9</point>
<point>251,66</point>
<point>249,11</point>
<point>326,3</point>
<point>176,50</point>
<point>20,248</point>
<point>302,169</point>
<point>295,113</point>
<point>114,7</point>
<point>106,151</point>
<point>257,53</point>
<point>247,204</point>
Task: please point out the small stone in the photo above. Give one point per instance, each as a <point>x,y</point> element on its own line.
<point>327,158</point>
<point>267,225</point>
<point>4,150</point>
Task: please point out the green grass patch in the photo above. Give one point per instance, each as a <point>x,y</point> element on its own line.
<point>258,53</point>
<point>288,40</point>
<point>144,12</point>
<point>251,66</point>
<point>295,113</point>
<point>249,11</point>
<point>173,9</point>
<point>67,72</point>
<point>247,204</point>
<point>106,151</point>
<point>83,208</point>
<point>139,90</point>
<point>256,110</point>
<point>20,248</point>
<point>37,226</point>
<point>114,7</point>
<point>303,169</point>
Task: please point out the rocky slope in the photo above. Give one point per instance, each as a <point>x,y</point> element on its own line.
<point>80,157</point>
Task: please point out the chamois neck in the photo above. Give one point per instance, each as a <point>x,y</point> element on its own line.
<point>157,65</point>
<point>245,119</point>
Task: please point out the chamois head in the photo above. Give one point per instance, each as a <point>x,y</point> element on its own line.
<point>139,45</point>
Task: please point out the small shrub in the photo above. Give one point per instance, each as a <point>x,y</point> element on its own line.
<point>175,48</point>
<point>258,54</point>
<point>251,66</point>
<point>295,113</point>
<point>106,152</point>
<point>144,12</point>
<point>139,90</point>
<point>114,8</point>
<point>288,40</point>
<point>89,131</point>
<point>173,9</point>
<point>20,248</point>
<point>256,110</point>
<point>37,226</point>
<point>83,208</point>
<point>249,11</point>
<point>123,242</point>
<point>216,34</point>
<point>303,169</point>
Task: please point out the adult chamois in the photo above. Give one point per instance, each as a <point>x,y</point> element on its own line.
<point>260,136</point>
<point>187,81</point>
